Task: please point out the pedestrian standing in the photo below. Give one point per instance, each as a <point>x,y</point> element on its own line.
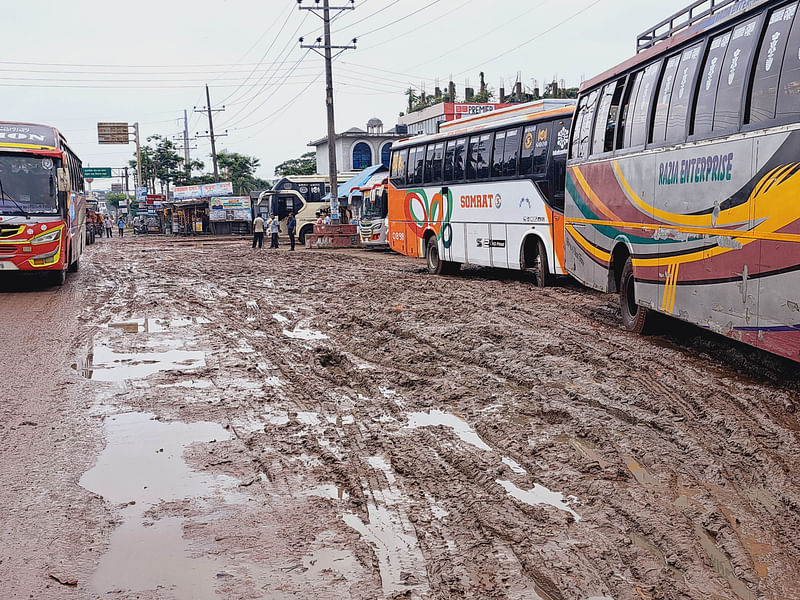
<point>291,227</point>
<point>327,219</point>
<point>258,232</point>
<point>109,226</point>
<point>121,226</point>
<point>274,228</point>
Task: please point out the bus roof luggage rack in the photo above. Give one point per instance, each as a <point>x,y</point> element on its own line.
<point>681,20</point>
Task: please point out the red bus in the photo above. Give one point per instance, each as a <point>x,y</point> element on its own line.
<point>42,201</point>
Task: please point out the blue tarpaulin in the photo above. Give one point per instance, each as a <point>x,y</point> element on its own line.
<point>356,181</point>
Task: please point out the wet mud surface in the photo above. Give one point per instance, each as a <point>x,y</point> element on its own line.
<point>197,420</point>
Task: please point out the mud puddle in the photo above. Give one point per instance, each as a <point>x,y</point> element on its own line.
<point>154,325</point>
<point>142,467</point>
<point>101,363</point>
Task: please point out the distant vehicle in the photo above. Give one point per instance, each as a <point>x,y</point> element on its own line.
<point>373,224</point>
<point>683,177</point>
<point>485,191</point>
<point>301,194</point>
<point>42,201</point>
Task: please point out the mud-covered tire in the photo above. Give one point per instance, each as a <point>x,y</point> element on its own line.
<point>634,316</point>
<point>432,259</point>
<point>75,265</point>
<point>304,231</point>
<point>539,270</point>
<point>58,277</point>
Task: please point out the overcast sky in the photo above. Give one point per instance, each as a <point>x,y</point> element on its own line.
<point>72,64</point>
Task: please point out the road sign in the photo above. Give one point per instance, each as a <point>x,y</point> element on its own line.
<point>141,194</point>
<point>112,133</point>
<point>116,187</point>
<point>97,172</point>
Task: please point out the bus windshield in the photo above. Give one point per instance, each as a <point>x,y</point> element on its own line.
<point>28,185</point>
<point>374,201</point>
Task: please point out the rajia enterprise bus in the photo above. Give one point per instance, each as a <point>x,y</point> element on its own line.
<point>486,191</point>
<point>683,184</point>
<point>42,205</point>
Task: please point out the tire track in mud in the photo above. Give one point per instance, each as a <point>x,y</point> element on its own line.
<point>665,449</point>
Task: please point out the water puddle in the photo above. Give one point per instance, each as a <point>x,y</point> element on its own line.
<point>397,551</point>
<point>459,426</point>
<point>141,467</point>
<point>281,319</point>
<point>722,564</point>
<point>103,364</point>
<point>152,325</point>
<point>514,465</point>
<point>329,491</point>
<point>303,333</point>
<point>642,475</point>
<point>190,383</point>
<point>538,495</point>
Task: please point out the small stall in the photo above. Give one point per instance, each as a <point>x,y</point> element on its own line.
<point>191,211</point>
<point>230,215</point>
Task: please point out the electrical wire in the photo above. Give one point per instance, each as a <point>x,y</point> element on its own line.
<point>419,10</point>
<point>534,38</point>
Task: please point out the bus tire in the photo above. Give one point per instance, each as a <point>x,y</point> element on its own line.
<point>304,231</point>
<point>58,277</point>
<point>541,274</point>
<point>451,268</point>
<point>75,265</point>
<point>634,316</point>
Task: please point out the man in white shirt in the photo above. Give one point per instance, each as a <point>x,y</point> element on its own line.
<point>258,231</point>
<point>274,228</point>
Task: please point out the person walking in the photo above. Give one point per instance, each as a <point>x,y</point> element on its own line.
<point>274,228</point>
<point>121,226</point>
<point>258,232</point>
<point>291,228</point>
<point>109,224</point>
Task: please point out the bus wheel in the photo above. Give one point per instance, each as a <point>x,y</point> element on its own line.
<point>634,317</point>
<point>307,230</point>
<point>436,265</point>
<point>58,277</point>
<point>541,276</point>
<point>74,266</point>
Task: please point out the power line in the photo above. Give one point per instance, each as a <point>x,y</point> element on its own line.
<point>534,38</point>
<point>419,10</point>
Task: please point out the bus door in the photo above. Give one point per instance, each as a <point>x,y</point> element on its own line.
<point>446,233</point>
<point>283,204</point>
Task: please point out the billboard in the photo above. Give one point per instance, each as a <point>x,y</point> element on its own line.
<point>207,190</point>
<point>112,133</point>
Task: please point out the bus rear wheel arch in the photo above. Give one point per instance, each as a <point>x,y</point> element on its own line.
<point>534,260</point>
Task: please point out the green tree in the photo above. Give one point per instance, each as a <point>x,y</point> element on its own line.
<point>160,164</point>
<point>305,165</point>
<point>114,198</point>
<point>240,170</point>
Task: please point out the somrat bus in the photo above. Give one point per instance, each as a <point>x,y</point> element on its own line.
<point>486,191</point>
<point>683,176</point>
<point>42,202</point>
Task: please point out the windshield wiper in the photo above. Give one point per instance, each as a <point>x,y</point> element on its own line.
<point>5,196</point>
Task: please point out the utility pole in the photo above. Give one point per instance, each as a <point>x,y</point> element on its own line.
<point>327,47</point>
<point>210,132</point>
<point>186,147</point>
<point>138,154</point>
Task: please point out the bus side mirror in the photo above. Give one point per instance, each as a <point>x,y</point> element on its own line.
<point>63,180</point>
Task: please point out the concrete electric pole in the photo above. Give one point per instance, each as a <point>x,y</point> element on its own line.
<point>210,132</point>
<point>325,44</point>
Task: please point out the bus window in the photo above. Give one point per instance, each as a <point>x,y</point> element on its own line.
<point>479,149</point>
<point>433,163</point>
<point>449,155</point>
<point>789,90</point>
<point>459,156</point>
<point>583,126</point>
<point>417,163</point>
<point>641,110</point>
<point>558,164</point>
<point>709,82</point>
<point>626,122</point>
<point>606,122</point>
<point>679,101</point>
<point>511,152</point>
<point>764,94</point>
<point>734,75</point>
<point>528,144</point>
<point>398,174</point>
<point>497,155</point>
<point>541,149</point>
<point>659,133</point>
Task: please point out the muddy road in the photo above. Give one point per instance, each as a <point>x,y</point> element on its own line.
<point>200,420</point>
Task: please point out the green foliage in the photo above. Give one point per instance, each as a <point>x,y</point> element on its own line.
<point>305,165</point>
<point>240,170</point>
<point>114,198</point>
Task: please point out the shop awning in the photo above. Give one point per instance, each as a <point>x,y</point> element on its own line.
<point>357,181</point>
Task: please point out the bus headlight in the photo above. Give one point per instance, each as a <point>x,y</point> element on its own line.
<point>46,238</point>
